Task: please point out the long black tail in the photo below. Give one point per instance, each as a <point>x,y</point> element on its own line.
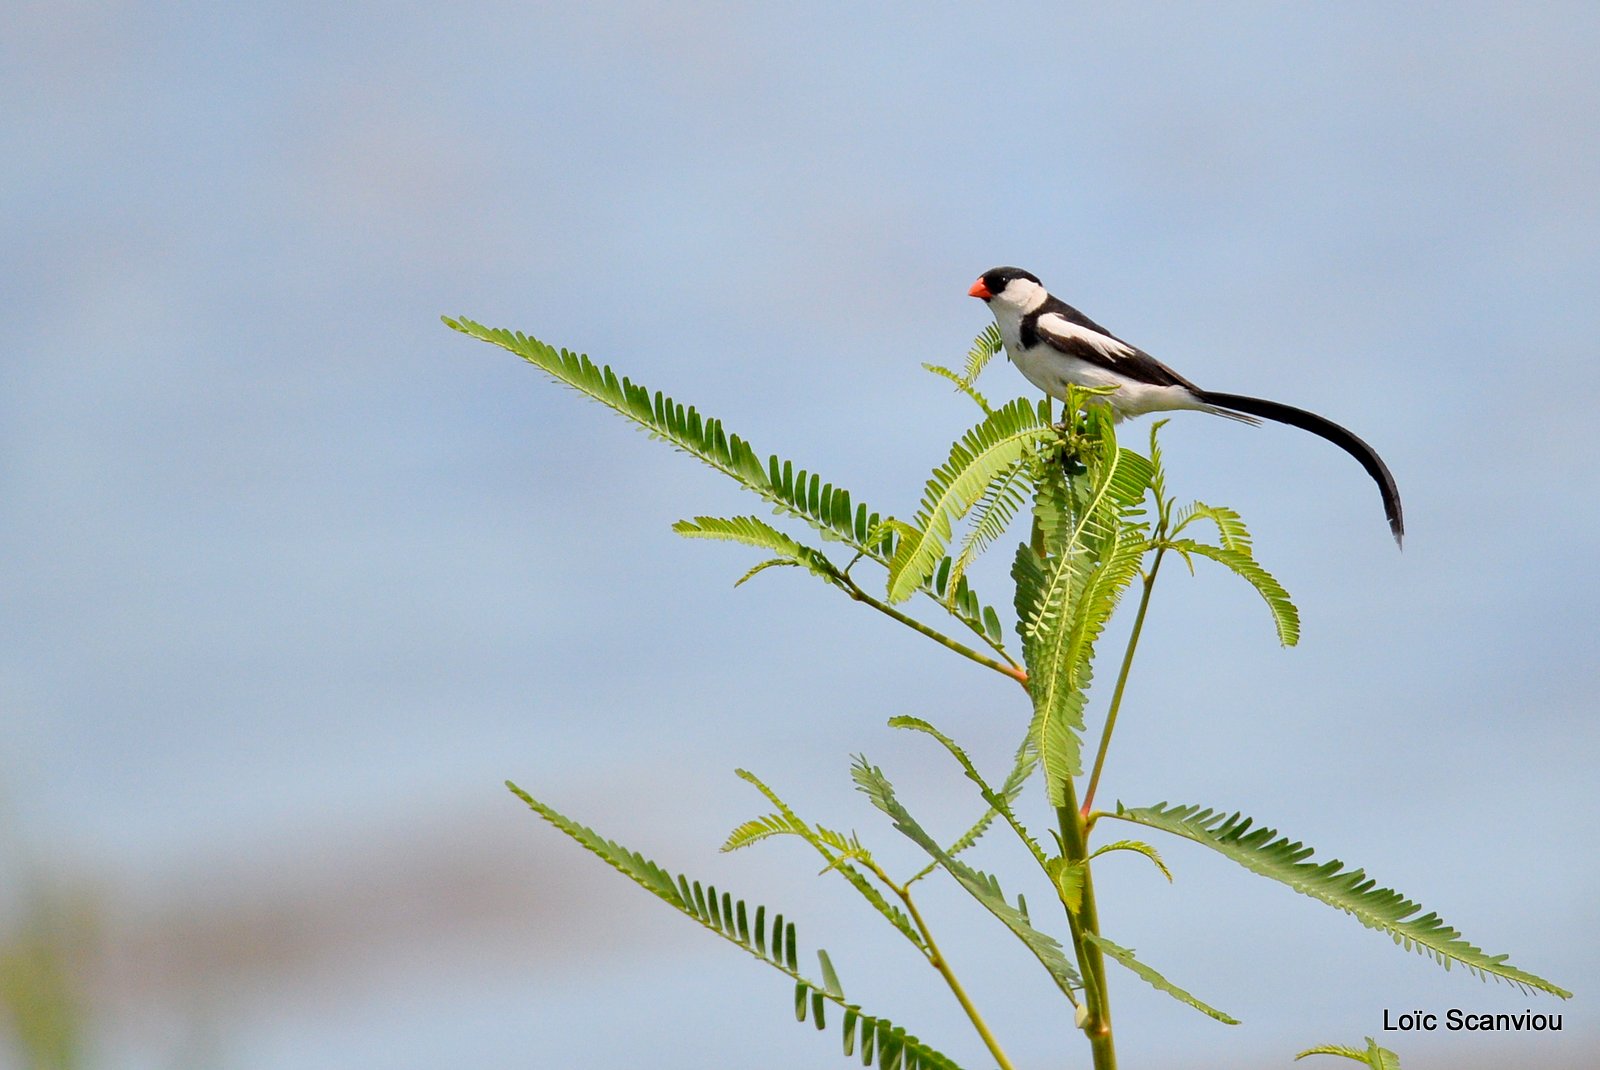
<point>1310,421</point>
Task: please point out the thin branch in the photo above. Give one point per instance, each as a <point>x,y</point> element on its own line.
<point>1122,681</point>
<point>937,960</point>
<point>854,590</point>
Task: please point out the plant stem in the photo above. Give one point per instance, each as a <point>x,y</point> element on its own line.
<point>854,590</point>
<point>1097,1024</point>
<point>1122,681</point>
<point>936,958</point>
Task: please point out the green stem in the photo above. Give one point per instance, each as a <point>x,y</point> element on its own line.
<point>1091,962</point>
<point>1122,681</point>
<point>854,591</point>
<point>937,960</point>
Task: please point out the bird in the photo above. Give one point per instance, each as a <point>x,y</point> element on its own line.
<point>1054,345</point>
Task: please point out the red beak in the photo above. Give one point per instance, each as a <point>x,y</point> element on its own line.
<point>979,290</point>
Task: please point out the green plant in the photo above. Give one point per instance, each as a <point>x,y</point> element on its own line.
<point>1375,1057</point>
<point>1102,523</point>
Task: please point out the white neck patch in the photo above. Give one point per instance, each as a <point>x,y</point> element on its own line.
<point>1024,295</point>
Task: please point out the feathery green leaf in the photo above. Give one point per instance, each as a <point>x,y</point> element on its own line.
<point>1334,1049</point>
<point>1000,802</point>
<point>753,531</point>
<point>791,491</point>
<point>875,1041</point>
<point>832,847</point>
<point>1158,474</point>
<point>721,916</point>
<point>762,566</point>
<point>981,886</point>
<point>775,945</point>
<point>961,385</point>
<point>1095,542</point>
<point>991,516</point>
<point>984,348</point>
<point>1375,1057</point>
<point>1231,532</point>
<point>760,828</point>
<point>985,454</point>
<point>1155,980</point>
<point>1285,617</point>
<point>1068,648</point>
<point>1263,851</point>
<point>1137,847</point>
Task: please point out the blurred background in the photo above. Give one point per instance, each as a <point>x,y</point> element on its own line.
<point>295,577</point>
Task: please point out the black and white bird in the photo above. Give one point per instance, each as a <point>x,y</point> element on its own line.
<point>1053,345</point>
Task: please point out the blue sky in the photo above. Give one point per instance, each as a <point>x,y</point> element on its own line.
<point>293,567</point>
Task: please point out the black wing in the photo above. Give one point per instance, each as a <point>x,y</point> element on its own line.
<point>1069,331</point>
